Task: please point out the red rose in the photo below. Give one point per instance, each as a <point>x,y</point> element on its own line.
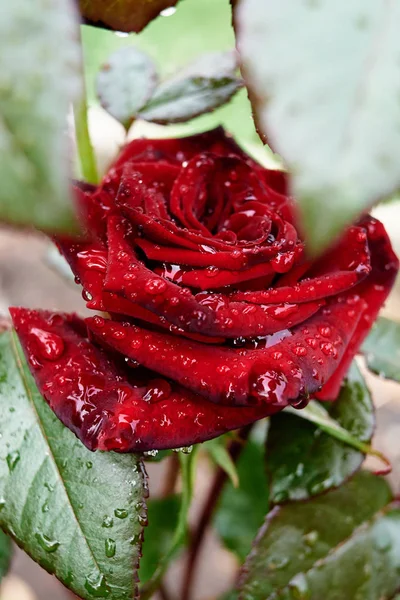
<point>218,318</point>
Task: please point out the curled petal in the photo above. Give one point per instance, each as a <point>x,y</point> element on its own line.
<point>108,405</point>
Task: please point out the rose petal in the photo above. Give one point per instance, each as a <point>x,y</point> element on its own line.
<point>106,404</point>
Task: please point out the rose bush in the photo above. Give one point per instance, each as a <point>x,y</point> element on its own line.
<point>217,316</point>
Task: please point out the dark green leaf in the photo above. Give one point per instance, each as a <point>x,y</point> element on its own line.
<point>241,510</point>
<point>123,15</point>
<point>323,77</point>
<point>382,349</point>
<point>5,554</point>
<point>125,83</point>
<point>302,460</point>
<point>343,545</point>
<point>163,516</point>
<point>78,514</point>
<point>39,65</point>
<point>204,85</point>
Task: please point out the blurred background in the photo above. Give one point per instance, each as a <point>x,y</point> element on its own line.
<point>29,277</point>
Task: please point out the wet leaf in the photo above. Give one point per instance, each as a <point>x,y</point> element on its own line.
<point>123,15</point>
<point>302,460</point>
<point>209,82</point>
<point>241,510</point>
<point>345,544</point>
<point>323,77</point>
<point>39,78</point>
<point>163,516</point>
<point>382,349</point>
<point>79,514</point>
<point>125,83</point>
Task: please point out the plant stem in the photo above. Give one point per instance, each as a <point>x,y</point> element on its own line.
<point>86,154</point>
<point>210,505</point>
<point>171,476</point>
<point>187,462</point>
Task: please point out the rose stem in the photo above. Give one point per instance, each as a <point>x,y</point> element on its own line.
<point>86,154</point>
<point>163,592</point>
<point>171,476</point>
<point>210,505</point>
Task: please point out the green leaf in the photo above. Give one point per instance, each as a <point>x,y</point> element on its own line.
<point>79,514</point>
<point>206,84</point>
<point>39,65</point>
<point>5,554</point>
<point>125,83</point>
<point>302,460</point>
<point>163,517</point>
<point>323,78</point>
<point>343,545</point>
<point>123,15</point>
<point>382,349</point>
<point>241,510</point>
<point>219,454</point>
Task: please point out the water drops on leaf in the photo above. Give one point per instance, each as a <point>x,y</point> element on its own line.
<point>48,544</point>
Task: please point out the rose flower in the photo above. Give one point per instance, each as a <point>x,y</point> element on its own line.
<point>213,316</point>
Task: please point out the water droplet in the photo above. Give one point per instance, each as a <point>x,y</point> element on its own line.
<point>300,351</point>
<point>108,522</point>
<point>45,507</point>
<point>328,349</point>
<point>99,321</point>
<point>87,296</point>
<point>13,459</point>
<point>110,547</point>
<point>118,334</point>
<point>311,538</point>
<point>298,588</point>
<point>223,369</point>
<point>278,563</point>
<point>50,344</point>
<point>47,543</point>
<point>2,503</point>
<point>267,385</point>
<point>130,276</point>
<point>136,343</point>
<point>121,513</point>
<point>155,286</point>
<point>89,464</point>
<point>157,390</point>
<point>312,342</point>
<point>97,586</point>
<point>325,331</point>
<point>151,453</point>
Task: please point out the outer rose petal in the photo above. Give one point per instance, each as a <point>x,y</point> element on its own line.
<point>373,290</point>
<point>292,364</point>
<point>106,404</point>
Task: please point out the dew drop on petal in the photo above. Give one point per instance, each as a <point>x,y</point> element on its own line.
<point>155,286</point>
<point>49,344</point>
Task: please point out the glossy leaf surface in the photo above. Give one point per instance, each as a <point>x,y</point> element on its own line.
<point>302,460</point>
<point>79,514</point>
<point>345,544</point>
